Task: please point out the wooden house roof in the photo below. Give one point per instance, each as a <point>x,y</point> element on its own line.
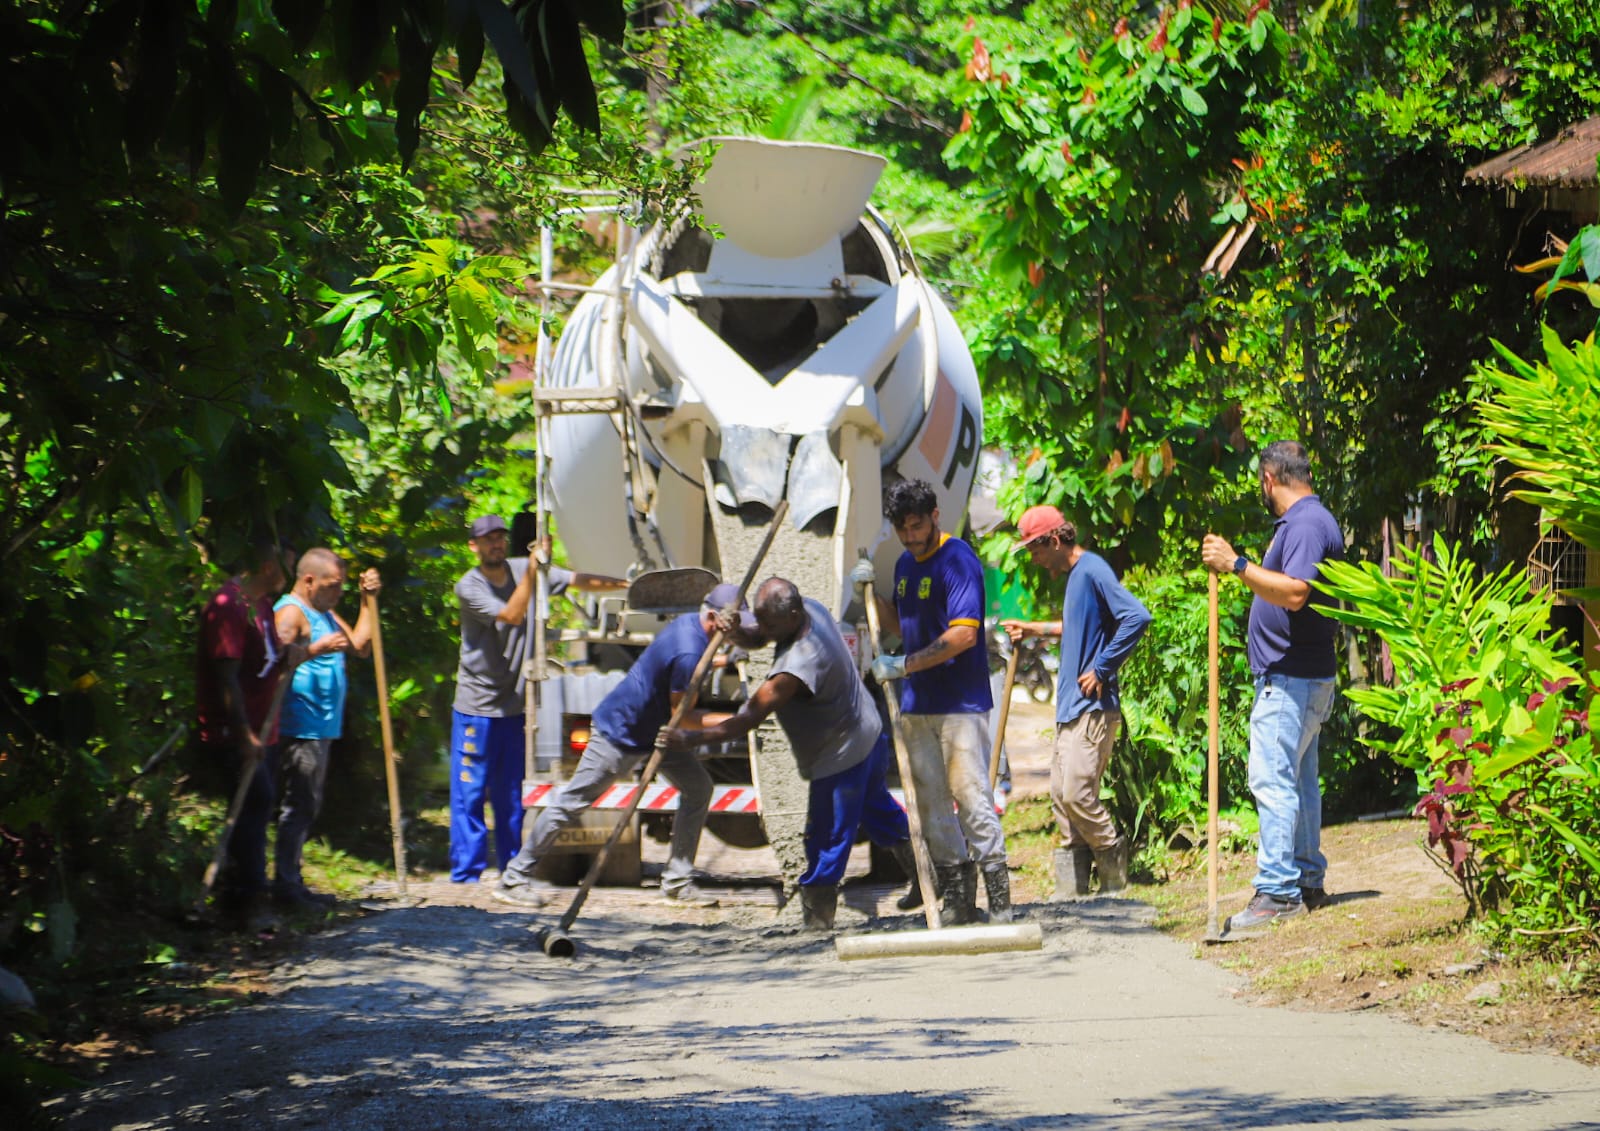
<point>1565,161</point>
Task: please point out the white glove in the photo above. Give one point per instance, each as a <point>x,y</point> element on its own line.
<point>863,572</point>
<point>885,668</point>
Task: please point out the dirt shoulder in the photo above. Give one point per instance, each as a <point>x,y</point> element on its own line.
<point>1394,938</point>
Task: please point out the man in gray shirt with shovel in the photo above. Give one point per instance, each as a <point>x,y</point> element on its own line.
<point>836,735</point>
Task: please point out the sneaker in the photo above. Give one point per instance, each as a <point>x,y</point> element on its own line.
<point>688,896</point>
<point>533,893</point>
<point>1263,911</point>
<point>1314,898</point>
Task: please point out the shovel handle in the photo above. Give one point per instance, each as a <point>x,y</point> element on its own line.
<point>390,773</point>
<point>1005,713</point>
<point>1213,741</point>
<point>919,848</point>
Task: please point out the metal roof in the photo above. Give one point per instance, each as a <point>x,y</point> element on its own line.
<point>1566,161</point>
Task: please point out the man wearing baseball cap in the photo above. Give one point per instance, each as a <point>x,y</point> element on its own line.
<point>1100,623</point>
<point>622,733</point>
<point>486,740</point>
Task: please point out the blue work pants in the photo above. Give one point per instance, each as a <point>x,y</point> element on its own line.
<point>486,760</point>
<point>842,803</point>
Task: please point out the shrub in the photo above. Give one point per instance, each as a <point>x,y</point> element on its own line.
<point>1493,717</point>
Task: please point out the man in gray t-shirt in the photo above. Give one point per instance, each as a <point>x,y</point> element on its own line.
<point>834,730</point>
<point>486,739</point>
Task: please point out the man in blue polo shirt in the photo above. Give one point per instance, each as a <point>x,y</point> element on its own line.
<point>1100,623</point>
<point>945,700</point>
<point>622,733</point>
<point>1292,658</point>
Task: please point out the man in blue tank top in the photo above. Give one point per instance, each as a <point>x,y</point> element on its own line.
<point>945,700</point>
<point>313,710</point>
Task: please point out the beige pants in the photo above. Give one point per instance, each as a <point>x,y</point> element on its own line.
<point>949,757</point>
<point>1083,747</point>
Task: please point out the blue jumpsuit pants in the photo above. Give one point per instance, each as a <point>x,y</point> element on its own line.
<point>486,758</point>
<point>840,804</point>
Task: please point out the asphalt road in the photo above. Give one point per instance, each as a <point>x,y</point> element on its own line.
<point>447,1015</point>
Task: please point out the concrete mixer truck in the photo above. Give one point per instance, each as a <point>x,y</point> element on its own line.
<point>796,354</point>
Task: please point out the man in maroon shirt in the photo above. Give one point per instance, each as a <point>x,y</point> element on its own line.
<point>239,661</point>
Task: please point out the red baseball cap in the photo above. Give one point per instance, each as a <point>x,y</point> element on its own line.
<point>1037,522</point>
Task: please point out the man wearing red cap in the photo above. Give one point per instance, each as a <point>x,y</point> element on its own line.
<point>1100,623</point>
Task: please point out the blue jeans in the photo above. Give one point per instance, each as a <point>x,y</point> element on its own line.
<point>486,757</point>
<point>841,803</point>
<point>1285,725</point>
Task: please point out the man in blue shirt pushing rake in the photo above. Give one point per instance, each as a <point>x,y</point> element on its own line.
<point>1100,623</point>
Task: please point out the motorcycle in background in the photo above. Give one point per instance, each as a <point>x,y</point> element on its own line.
<point>1036,666</point>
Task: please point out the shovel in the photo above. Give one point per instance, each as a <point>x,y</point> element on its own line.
<point>1005,713</point>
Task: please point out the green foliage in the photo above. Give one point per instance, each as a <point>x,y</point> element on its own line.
<point>184,200</point>
<point>1157,777</point>
<point>1343,292</point>
<point>1545,419</point>
<point>1102,158</point>
<point>1480,709</point>
<point>1443,623</point>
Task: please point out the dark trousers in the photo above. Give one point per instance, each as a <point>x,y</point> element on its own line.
<point>217,768</point>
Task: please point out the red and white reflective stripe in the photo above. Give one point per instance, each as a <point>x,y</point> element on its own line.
<point>663,798</point>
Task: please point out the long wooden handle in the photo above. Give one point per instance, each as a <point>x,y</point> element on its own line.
<point>1005,713</point>
<point>919,848</point>
<point>685,705</point>
<point>391,772</point>
<point>1213,743</point>
<point>242,790</point>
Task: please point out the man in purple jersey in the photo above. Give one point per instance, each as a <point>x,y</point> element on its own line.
<point>945,700</point>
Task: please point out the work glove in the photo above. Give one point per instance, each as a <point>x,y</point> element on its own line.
<point>863,572</point>
<point>885,668</point>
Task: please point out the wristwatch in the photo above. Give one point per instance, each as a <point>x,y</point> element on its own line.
<point>1240,563</point>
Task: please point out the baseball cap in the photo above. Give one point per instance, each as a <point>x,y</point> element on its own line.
<point>486,524</point>
<point>721,596</point>
<point>1036,522</point>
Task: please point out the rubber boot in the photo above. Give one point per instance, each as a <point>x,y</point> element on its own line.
<point>1072,874</point>
<point>1112,864</point>
<point>959,885</point>
<point>907,860</point>
<point>997,884</point>
<point>818,905</point>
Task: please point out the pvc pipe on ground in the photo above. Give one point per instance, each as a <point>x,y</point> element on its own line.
<point>949,940</point>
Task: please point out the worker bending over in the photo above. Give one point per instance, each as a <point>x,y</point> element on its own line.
<point>835,733</point>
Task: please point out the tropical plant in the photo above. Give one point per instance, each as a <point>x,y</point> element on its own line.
<point>1545,419</point>
<point>1482,708</point>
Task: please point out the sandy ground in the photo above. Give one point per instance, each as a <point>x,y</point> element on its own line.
<point>448,1014</point>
